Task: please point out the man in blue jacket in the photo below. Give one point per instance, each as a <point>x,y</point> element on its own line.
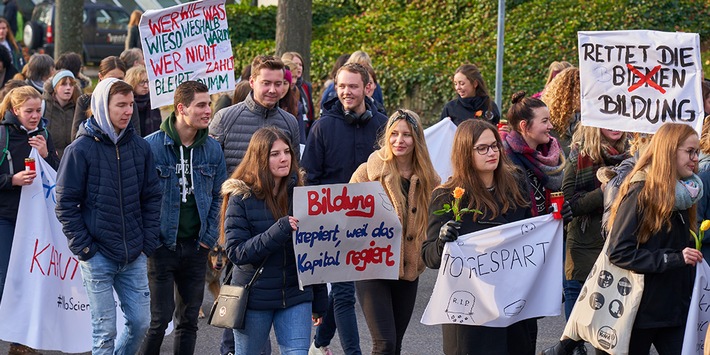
<point>341,140</point>
<point>191,169</point>
<point>108,201</point>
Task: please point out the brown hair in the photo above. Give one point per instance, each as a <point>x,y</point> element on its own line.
<point>75,93</point>
<point>185,92</point>
<point>119,87</point>
<point>265,62</point>
<point>473,74</point>
<point>110,63</point>
<point>241,91</point>
<point>354,68</point>
<point>507,194</point>
<point>521,109</point>
<point>562,98</point>
<point>10,37</point>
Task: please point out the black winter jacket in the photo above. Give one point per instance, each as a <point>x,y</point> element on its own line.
<point>19,148</point>
<point>461,109</point>
<point>336,148</point>
<point>108,195</point>
<point>83,104</point>
<point>254,237</point>
<point>467,339</point>
<point>668,281</point>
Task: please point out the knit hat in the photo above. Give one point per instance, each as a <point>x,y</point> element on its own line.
<point>58,76</point>
<point>287,76</point>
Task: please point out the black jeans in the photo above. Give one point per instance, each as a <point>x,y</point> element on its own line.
<point>182,270</point>
<point>387,306</point>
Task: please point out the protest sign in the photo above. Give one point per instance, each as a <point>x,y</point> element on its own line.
<point>699,313</point>
<point>635,81</point>
<point>346,232</point>
<point>500,275</point>
<point>439,139</point>
<point>187,42</point>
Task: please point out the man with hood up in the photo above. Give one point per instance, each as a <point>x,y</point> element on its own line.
<point>192,169</point>
<point>108,201</point>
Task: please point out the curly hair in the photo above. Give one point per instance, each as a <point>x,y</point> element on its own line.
<point>562,98</point>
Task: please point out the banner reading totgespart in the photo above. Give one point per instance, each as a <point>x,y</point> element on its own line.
<point>635,81</point>
<point>500,275</point>
<point>187,42</point>
<point>346,232</point>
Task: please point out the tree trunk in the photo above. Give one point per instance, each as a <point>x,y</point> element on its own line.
<point>68,27</point>
<point>293,30</point>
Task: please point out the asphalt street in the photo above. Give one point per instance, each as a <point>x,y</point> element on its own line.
<point>420,339</point>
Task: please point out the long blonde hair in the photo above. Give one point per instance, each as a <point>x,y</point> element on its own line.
<point>421,165</point>
<point>562,98</point>
<point>590,141</point>
<point>657,197</point>
<point>507,194</point>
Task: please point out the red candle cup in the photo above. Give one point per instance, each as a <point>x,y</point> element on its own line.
<point>557,199</point>
<point>30,164</point>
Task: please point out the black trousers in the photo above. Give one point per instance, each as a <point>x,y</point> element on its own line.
<point>182,270</point>
<point>387,306</point>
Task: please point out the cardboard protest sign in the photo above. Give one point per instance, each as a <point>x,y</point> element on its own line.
<point>187,42</point>
<point>346,232</point>
<point>635,81</point>
<point>439,138</point>
<point>500,275</point>
<point>699,313</point>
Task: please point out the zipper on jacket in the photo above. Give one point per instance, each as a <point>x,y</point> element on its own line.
<point>120,201</point>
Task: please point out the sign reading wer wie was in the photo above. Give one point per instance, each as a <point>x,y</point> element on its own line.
<point>346,232</point>
<point>500,275</point>
<point>187,42</point>
<point>636,81</point>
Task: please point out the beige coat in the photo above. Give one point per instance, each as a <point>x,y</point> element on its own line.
<point>411,264</point>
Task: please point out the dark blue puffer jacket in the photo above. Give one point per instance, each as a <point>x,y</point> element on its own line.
<point>252,235</point>
<point>108,195</point>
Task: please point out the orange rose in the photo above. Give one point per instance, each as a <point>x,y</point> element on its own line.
<point>479,113</point>
<point>458,192</point>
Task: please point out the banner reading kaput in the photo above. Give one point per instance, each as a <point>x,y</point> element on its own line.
<point>635,81</point>
<point>500,275</point>
<point>346,232</point>
<point>187,42</point>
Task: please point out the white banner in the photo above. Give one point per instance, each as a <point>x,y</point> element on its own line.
<point>346,232</point>
<point>699,313</point>
<point>187,42</point>
<point>635,81</point>
<point>439,139</point>
<point>500,275</point>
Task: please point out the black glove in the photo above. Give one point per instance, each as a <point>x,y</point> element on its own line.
<point>449,232</point>
<point>566,211</point>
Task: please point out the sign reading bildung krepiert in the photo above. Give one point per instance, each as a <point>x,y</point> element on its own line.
<point>636,81</point>
<point>187,42</point>
<point>346,232</point>
<point>499,276</point>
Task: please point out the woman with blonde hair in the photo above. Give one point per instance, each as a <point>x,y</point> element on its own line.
<point>149,118</point>
<point>592,148</point>
<point>473,101</point>
<point>257,228</point>
<point>554,69</point>
<point>562,98</point>
<point>23,129</point>
<point>406,173</point>
<point>649,233</point>
<point>133,40</point>
<point>491,185</point>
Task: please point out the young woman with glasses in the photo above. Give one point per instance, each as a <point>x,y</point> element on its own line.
<point>150,119</point>
<point>406,173</point>
<point>491,185</point>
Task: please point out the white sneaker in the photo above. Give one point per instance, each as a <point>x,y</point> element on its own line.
<point>323,350</point>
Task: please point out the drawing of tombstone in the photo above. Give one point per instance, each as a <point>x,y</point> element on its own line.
<point>460,307</point>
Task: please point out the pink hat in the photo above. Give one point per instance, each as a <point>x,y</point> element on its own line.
<point>287,76</point>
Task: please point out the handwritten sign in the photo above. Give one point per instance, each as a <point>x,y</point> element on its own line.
<point>635,81</point>
<point>699,313</point>
<point>187,42</point>
<point>346,232</point>
<point>500,275</point>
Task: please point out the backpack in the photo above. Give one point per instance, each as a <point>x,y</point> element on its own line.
<point>5,136</point>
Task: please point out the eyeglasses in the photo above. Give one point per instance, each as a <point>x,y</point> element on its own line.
<point>483,149</point>
<point>692,153</point>
<point>402,115</point>
<point>143,82</point>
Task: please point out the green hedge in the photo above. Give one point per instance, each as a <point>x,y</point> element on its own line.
<point>417,44</point>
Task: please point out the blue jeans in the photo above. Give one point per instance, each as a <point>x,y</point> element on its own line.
<point>572,289</point>
<point>130,281</point>
<point>7,231</point>
<point>292,327</point>
<point>340,316</point>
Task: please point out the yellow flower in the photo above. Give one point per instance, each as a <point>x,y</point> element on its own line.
<point>705,225</point>
<point>458,193</point>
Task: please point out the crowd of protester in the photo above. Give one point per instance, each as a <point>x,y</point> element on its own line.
<point>143,196</point>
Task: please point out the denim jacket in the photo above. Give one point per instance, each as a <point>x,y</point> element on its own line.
<point>209,173</point>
